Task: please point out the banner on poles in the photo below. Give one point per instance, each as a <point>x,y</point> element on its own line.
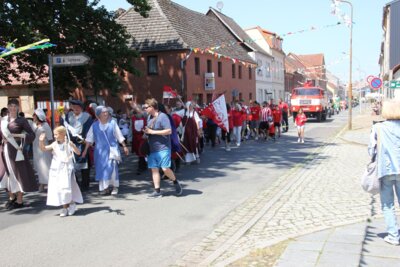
<point>218,113</point>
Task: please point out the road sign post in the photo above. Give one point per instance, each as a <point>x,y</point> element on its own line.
<point>67,60</point>
<point>51,91</point>
<point>376,83</point>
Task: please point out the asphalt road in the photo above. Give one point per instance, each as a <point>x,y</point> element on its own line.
<point>130,229</point>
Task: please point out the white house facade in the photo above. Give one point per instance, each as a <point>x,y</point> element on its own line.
<point>389,59</point>
<point>272,44</point>
<point>263,75</point>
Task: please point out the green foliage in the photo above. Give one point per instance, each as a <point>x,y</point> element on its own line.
<point>141,6</point>
<point>79,26</point>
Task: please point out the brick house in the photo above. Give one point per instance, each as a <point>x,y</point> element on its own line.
<point>26,94</point>
<point>294,75</point>
<point>315,69</point>
<point>178,47</point>
<point>301,68</point>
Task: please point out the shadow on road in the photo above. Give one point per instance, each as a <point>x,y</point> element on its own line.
<point>284,153</point>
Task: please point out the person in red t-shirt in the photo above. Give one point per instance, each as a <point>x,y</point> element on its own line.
<point>237,116</point>
<point>277,116</point>
<point>285,114</point>
<point>255,111</point>
<point>300,122</point>
<point>271,129</point>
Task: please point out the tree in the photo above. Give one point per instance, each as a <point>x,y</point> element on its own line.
<point>79,26</point>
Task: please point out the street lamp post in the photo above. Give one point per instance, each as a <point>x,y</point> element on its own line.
<point>360,71</point>
<point>350,88</point>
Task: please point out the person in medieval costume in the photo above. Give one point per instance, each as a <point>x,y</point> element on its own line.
<point>190,132</point>
<point>16,172</point>
<point>41,160</point>
<point>139,123</point>
<point>106,134</point>
<point>63,189</point>
<point>78,123</point>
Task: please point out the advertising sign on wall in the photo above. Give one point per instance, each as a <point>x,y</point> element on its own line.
<point>209,79</point>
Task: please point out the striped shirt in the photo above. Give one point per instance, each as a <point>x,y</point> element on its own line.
<point>265,113</point>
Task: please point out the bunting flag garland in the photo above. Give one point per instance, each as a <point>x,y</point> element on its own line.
<point>10,49</point>
<point>218,55</point>
<point>249,41</point>
<point>337,61</point>
<point>212,50</point>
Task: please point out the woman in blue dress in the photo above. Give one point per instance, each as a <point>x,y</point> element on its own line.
<point>106,134</point>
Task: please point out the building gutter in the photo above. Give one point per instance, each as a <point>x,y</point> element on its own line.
<point>183,64</point>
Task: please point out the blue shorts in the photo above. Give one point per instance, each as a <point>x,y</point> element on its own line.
<point>160,159</point>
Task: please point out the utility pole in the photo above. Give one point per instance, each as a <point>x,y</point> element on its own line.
<point>350,85</point>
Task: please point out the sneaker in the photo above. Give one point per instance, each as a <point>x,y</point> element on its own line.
<point>178,189</point>
<point>237,144</point>
<point>256,138</point>
<point>391,240</point>
<point>155,194</point>
<point>64,213</point>
<point>302,140</point>
<point>71,209</point>
<point>114,191</point>
<point>298,140</point>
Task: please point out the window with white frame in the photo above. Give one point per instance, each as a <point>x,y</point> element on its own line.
<point>268,70</point>
<point>259,67</point>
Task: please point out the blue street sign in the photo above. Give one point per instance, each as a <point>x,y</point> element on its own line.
<point>376,83</point>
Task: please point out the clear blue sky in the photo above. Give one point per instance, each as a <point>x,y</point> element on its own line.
<point>283,16</point>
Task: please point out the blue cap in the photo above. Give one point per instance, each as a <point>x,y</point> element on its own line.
<point>76,102</point>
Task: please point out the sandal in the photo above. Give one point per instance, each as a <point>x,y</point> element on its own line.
<point>106,192</point>
<point>16,205</point>
<point>10,202</point>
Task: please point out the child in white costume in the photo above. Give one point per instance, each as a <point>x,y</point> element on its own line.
<point>62,188</point>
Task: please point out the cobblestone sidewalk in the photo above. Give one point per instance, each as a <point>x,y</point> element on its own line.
<point>321,194</point>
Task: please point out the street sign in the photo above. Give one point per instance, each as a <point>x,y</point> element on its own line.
<point>376,83</point>
<point>67,60</point>
<point>70,60</point>
<point>369,78</point>
<point>395,84</point>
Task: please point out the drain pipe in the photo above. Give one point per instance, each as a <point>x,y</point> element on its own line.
<point>183,62</point>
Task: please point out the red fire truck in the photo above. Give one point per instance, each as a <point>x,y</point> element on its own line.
<point>313,100</point>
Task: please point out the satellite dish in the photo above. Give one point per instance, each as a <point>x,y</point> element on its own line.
<point>220,5</point>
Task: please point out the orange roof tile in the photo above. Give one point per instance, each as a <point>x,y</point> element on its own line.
<point>23,78</point>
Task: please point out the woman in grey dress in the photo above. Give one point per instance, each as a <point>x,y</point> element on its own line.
<point>16,171</point>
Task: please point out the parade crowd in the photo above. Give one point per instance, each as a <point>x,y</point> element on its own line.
<point>88,136</point>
